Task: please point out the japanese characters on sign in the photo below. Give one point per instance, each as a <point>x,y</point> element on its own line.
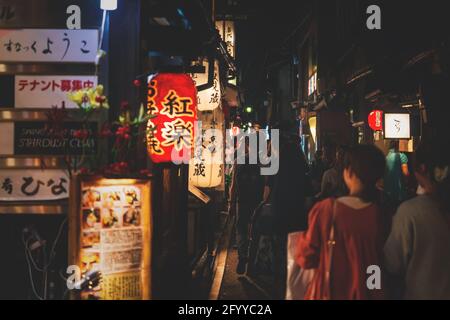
<point>173,99</point>
<point>33,185</point>
<point>7,13</point>
<point>208,99</point>
<point>48,91</point>
<point>205,168</point>
<point>227,32</point>
<point>397,126</point>
<point>48,45</point>
<point>14,13</point>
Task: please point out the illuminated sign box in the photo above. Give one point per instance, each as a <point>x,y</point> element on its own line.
<point>110,232</point>
<point>397,126</point>
<point>48,45</point>
<point>48,91</point>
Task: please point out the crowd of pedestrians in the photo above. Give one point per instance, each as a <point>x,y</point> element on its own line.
<point>355,215</point>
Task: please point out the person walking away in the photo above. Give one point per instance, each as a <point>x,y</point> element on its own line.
<point>418,247</point>
<point>344,236</point>
<point>324,160</point>
<point>396,174</point>
<point>287,192</point>
<point>246,190</point>
<point>333,184</point>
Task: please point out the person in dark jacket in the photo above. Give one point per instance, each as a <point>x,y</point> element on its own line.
<point>287,192</point>
<point>246,191</point>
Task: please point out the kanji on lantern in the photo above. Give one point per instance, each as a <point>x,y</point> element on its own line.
<point>208,99</point>
<point>376,120</point>
<point>172,98</point>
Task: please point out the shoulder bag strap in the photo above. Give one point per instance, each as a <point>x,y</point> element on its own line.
<point>331,244</point>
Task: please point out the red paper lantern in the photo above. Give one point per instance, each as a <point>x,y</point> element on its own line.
<point>172,97</point>
<point>376,120</point>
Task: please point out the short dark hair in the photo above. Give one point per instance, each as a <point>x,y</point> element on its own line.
<point>393,144</point>
<point>435,153</point>
<point>368,163</point>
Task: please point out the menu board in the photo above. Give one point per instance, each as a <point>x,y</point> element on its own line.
<point>114,226</point>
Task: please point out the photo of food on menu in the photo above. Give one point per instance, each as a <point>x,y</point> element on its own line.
<point>111,235</point>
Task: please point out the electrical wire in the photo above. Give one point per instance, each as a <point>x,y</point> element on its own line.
<point>30,272</point>
<point>58,235</point>
<point>52,252</point>
<point>46,264</point>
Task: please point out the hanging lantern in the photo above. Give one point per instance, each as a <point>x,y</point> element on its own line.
<point>205,168</point>
<point>173,99</point>
<point>376,120</point>
<point>209,99</point>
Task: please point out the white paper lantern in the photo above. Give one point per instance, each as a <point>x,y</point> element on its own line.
<point>205,168</point>
<point>208,99</point>
<point>204,171</point>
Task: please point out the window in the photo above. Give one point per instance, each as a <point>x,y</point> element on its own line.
<point>312,84</point>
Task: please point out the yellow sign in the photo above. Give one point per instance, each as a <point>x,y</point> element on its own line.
<point>110,233</point>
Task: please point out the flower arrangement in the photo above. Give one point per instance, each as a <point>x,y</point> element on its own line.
<point>89,99</point>
<point>123,136</point>
<point>126,138</point>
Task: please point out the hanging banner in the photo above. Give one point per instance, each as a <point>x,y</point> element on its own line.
<point>227,32</point>
<point>173,99</point>
<point>208,99</point>
<point>110,233</point>
<point>48,91</point>
<point>397,126</point>
<point>48,45</point>
<point>33,185</point>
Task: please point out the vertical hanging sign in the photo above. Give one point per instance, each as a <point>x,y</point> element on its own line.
<point>227,32</point>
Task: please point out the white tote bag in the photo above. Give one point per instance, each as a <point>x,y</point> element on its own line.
<point>298,279</point>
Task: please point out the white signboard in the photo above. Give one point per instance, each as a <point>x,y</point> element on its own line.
<point>48,45</point>
<point>397,126</point>
<point>33,185</point>
<point>48,91</point>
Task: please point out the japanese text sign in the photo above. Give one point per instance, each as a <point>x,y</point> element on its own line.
<point>48,45</point>
<point>48,91</point>
<point>397,126</point>
<point>227,32</point>
<point>33,185</point>
<point>208,99</point>
<point>173,99</point>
